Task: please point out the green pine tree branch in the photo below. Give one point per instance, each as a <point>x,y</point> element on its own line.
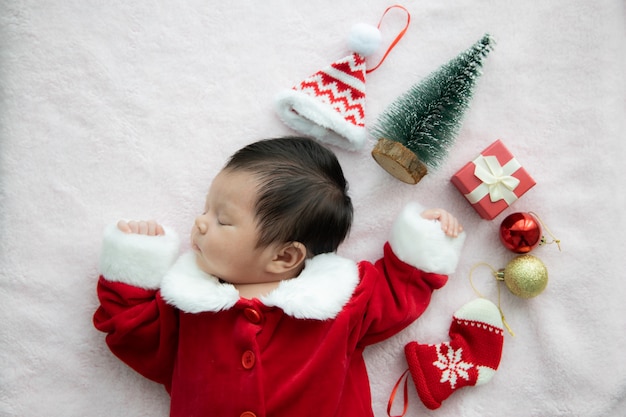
<point>427,118</point>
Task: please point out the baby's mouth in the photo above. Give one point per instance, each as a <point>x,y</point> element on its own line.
<point>194,246</point>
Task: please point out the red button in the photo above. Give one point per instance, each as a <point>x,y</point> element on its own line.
<point>248,359</point>
<point>252,315</point>
<point>247,414</point>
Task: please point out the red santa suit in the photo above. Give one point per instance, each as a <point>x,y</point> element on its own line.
<point>296,352</point>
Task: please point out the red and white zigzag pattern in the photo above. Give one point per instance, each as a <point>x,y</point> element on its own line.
<point>342,86</point>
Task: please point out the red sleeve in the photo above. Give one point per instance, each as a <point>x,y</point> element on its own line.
<point>141,328</point>
<point>396,290</point>
<point>396,294</point>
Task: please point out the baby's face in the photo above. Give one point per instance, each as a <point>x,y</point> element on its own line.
<point>225,235</point>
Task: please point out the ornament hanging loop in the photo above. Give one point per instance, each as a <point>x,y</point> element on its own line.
<point>544,241</point>
<point>404,377</point>
<point>397,38</point>
<point>499,276</point>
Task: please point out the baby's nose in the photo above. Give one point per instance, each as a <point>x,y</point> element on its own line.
<point>201,224</point>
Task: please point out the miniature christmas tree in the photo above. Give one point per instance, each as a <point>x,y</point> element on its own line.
<point>416,131</point>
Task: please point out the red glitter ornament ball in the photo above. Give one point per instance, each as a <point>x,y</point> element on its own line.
<point>520,232</point>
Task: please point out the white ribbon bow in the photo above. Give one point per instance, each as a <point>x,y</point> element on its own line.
<point>496,180</point>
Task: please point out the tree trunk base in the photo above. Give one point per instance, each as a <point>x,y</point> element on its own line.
<point>399,161</point>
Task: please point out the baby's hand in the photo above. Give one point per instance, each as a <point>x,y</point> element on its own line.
<point>148,228</point>
<point>449,224</point>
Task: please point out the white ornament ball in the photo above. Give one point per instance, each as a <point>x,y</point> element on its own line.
<point>364,39</point>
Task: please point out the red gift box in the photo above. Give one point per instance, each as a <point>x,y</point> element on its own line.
<point>492,181</point>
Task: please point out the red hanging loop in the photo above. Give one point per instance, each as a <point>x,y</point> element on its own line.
<point>397,39</point>
<point>394,391</point>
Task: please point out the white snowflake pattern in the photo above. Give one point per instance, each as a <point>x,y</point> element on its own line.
<point>451,365</point>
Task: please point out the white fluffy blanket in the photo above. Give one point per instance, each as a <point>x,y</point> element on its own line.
<point>127,109</point>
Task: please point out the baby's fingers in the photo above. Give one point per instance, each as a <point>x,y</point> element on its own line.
<point>154,229</point>
<point>124,226</point>
<point>450,225</point>
<point>148,228</point>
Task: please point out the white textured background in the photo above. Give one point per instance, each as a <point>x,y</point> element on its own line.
<point>128,109</point>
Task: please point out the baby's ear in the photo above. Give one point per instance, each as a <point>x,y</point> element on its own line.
<point>287,258</point>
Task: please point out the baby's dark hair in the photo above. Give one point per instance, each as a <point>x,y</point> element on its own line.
<point>303,195</point>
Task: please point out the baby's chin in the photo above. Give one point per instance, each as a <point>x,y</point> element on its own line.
<point>201,263</point>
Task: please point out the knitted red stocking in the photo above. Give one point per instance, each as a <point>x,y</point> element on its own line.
<point>471,357</point>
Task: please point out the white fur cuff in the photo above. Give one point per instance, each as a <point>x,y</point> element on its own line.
<point>422,243</point>
<point>137,260</point>
<point>310,116</point>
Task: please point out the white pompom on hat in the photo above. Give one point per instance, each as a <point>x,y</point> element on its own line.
<point>364,39</point>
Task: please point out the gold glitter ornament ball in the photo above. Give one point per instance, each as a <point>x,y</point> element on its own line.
<point>525,276</point>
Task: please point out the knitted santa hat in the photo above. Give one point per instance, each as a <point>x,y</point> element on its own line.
<point>330,104</point>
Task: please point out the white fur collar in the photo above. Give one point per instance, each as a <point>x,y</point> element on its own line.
<point>319,292</point>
